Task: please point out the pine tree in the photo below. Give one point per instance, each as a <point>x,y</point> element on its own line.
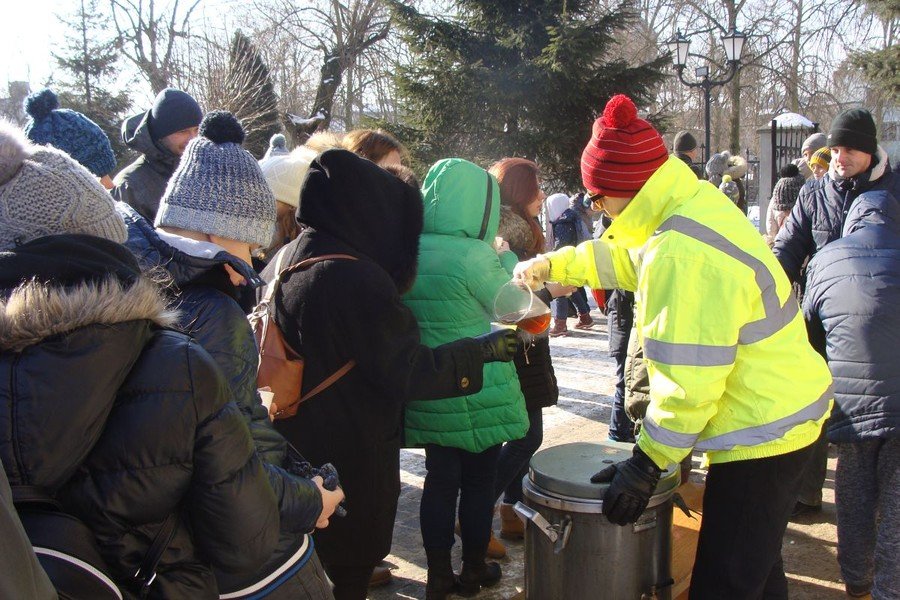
<point>89,58</point>
<point>250,95</point>
<point>882,67</point>
<point>520,78</point>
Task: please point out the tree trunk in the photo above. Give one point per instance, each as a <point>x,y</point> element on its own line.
<point>329,80</point>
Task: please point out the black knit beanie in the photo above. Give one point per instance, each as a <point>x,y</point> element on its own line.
<point>854,128</point>
<point>684,142</point>
<point>173,110</point>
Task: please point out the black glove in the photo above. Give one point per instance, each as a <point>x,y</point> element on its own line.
<point>631,483</point>
<point>499,346</point>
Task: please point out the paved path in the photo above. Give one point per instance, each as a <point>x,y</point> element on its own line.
<point>586,380</point>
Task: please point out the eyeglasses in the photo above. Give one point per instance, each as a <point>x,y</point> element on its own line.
<point>593,200</point>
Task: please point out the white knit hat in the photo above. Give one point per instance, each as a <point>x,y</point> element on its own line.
<point>556,206</point>
<point>43,191</point>
<point>285,173</point>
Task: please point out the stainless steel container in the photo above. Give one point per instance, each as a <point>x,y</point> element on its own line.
<point>571,551</point>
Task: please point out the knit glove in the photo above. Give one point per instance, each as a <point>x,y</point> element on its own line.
<point>631,483</point>
<point>533,272</point>
<point>499,346</point>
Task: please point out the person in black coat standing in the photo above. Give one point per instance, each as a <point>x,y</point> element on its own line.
<point>853,291</point>
<point>122,420</point>
<point>218,200</point>
<point>341,310</point>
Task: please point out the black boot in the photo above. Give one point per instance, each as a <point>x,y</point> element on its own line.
<point>476,574</point>
<point>441,579</point>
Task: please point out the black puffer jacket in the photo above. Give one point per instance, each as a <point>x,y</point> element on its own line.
<point>142,183</point>
<point>818,216</point>
<point>125,422</point>
<point>209,312</point>
<point>340,310</point>
<point>533,363</point>
<point>853,291</point>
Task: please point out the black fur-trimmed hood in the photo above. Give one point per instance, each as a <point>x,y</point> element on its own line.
<point>368,209</point>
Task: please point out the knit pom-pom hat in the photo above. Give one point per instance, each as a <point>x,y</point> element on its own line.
<point>623,153</point>
<point>69,131</point>
<point>43,191</point>
<point>218,187</point>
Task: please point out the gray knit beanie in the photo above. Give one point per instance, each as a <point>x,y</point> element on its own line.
<point>43,191</point>
<point>218,187</point>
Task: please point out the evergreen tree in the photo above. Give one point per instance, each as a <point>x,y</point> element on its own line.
<point>523,78</point>
<point>89,58</point>
<point>882,67</point>
<point>250,95</point>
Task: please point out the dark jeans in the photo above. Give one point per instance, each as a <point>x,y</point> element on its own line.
<point>351,582</point>
<point>621,428</point>
<point>746,507</point>
<point>512,466</point>
<point>452,472</point>
<point>560,305</point>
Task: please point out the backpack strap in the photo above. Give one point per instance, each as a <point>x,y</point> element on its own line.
<point>33,495</point>
<point>146,573</point>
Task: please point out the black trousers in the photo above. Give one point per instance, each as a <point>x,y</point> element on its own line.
<point>746,507</point>
<point>455,472</point>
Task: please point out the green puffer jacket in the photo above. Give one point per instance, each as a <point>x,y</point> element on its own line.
<point>459,275</point>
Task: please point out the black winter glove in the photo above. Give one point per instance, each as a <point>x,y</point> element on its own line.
<point>499,346</point>
<point>631,483</point>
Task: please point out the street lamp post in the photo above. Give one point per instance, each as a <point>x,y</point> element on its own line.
<point>733,41</point>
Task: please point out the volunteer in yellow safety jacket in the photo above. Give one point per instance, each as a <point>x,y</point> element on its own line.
<point>721,333</point>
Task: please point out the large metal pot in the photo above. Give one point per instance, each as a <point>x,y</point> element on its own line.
<point>571,551</point>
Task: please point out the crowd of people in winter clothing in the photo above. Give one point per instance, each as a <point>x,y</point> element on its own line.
<point>130,384</point>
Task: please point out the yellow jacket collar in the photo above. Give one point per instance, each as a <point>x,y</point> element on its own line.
<point>664,192</point>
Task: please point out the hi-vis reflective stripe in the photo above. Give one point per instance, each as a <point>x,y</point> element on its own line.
<point>695,355</point>
<point>760,434</point>
<point>777,315</point>
<point>749,436</point>
<point>606,272</point>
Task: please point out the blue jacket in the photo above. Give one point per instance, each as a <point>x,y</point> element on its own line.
<point>819,213</point>
<point>210,314</point>
<point>853,291</point>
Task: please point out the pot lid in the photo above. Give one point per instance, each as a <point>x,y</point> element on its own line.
<point>566,469</point>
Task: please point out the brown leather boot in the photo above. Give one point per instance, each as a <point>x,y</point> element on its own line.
<point>511,526</point>
<point>584,321</point>
<point>380,576</point>
<point>495,548</point>
<point>558,328</point>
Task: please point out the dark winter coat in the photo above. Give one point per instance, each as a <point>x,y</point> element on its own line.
<point>853,291</point>
<point>123,421</point>
<point>695,167</point>
<point>340,310</point>
<point>209,312</point>
<point>818,216</point>
<point>565,229</point>
<point>142,183</point>
<point>533,363</point>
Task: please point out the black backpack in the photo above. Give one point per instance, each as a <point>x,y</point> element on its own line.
<point>68,552</point>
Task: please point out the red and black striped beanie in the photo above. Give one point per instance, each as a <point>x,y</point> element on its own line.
<point>623,153</point>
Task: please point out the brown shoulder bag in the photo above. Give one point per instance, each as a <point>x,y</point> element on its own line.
<point>280,367</point>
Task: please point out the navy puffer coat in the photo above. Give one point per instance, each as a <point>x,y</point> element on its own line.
<point>210,313</point>
<point>818,216</point>
<point>853,290</point>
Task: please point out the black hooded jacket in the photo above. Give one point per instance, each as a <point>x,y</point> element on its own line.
<point>124,421</point>
<point>142,183</point>
<point>339,310</point>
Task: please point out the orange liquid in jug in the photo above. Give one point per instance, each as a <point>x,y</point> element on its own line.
<point>535,325</point>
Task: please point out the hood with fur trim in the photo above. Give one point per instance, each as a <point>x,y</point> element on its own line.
<point>36,311</point>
